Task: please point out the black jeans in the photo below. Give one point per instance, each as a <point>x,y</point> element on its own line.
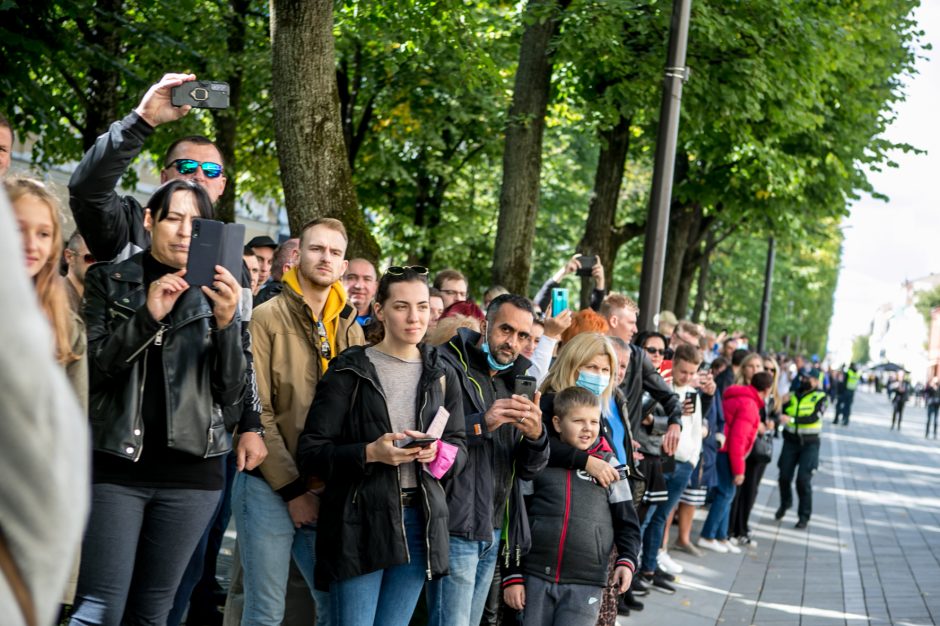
<point>897,414</point>
<point>744,499</point>
<point>804,456</point>
<point>136,547</point>
<point>932,410</point>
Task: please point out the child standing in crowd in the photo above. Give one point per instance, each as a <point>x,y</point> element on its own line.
<point>382,529</point>
<point>575,523</point>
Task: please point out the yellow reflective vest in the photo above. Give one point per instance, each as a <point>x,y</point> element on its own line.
<point>806,413</point>
<point>851,379</point>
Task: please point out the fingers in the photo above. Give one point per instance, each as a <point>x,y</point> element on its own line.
<point>415,434</point>
<point>240,455</point>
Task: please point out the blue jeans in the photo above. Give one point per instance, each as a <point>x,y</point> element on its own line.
<point>136,547</point>
<point>267,540</point>
<point>676,482</point>
<point>716,525</point>
<point>387,596</point>
<point>458,599</point>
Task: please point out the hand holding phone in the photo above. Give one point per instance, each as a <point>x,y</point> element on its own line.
<point>201,95</point>
<point>559,300</point>
<point>525,386</point>
<point>587,265</point>
<point>421,442</point>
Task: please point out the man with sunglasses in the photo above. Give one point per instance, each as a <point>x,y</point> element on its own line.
<point>113,225</point>
<point>78,260</point>
<point>296,334</point>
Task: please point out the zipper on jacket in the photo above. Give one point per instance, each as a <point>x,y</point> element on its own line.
<point>140,405</point>
<point>147,344</point>
<point>158,338</point>
<point>427,527</point>
<point>401,506</point>
<point>564,527</point>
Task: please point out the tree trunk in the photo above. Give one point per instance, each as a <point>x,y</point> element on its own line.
<point>311,151</point>
<point>226,120</point>
<point>701,288</point>
<point>690,262</point>
<point>598,235</point>
<point>522,156</point>
<point>103,81</point>
<point>680,227</point>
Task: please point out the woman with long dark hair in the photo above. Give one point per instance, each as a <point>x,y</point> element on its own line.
<point>165,360</point>
<point>383,525</point>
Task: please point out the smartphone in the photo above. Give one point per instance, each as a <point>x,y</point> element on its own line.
<point>214,243</point>
<point>201,95</point>
<point>587,265</point>
<point>559,300</point>
<point>525,386</point>
<point>690,396</point>
<point>421,442</point>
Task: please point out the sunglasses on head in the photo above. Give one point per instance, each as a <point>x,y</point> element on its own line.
<point>189,166</point>
<point>652,350</point>
<point>399,270</point>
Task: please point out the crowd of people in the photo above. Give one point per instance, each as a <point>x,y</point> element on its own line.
<point>404,452</point>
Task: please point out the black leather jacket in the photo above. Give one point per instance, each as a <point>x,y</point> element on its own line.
<point>204,368</point>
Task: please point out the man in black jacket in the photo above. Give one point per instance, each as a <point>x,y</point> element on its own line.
<point>505,440</point>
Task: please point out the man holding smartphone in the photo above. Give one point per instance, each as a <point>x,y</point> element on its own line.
<point>505,438</point>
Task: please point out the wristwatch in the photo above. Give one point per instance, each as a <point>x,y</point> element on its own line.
<point>258,430</point>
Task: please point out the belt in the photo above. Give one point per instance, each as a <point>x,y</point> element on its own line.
<point>409,497</point>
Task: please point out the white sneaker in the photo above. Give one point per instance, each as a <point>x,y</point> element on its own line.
<point>712,544</point>
<point>733,549</point>
<point>667,564</point>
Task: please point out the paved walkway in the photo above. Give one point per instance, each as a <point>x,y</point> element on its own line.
<point>870,554</point>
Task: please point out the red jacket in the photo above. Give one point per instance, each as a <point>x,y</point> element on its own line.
<point>742,406</point>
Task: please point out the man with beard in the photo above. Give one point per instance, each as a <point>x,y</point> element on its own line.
<point>78,259</point>
<point>505,439</point>
<point>296,334</point>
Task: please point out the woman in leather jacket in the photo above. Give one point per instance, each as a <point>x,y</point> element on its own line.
<point>382,530</point>
<point>165,359</point>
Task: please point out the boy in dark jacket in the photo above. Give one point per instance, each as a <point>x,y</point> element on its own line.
<point>573,531</point>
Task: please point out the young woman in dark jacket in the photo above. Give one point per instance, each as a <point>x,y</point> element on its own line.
<point>383,522</point>
<point>165,359</point>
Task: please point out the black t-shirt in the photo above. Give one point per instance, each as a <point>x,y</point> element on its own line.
<point>158,466</point>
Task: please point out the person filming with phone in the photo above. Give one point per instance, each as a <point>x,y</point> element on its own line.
<point>385,426</point>
<point>165,360</point>
<point>505,439</point>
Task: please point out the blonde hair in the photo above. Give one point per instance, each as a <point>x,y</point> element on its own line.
<point>447,328</point>
<point>739,377</point>
<point>573,356</point>
<point>49,285</point>
<point>778,401</point>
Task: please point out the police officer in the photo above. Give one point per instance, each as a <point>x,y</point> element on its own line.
<point>850,380</point>
<point>802,418</point>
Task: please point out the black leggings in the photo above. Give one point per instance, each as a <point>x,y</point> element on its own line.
<point>744,499</point>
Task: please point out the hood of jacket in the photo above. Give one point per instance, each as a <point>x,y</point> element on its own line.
<point>334,305</point>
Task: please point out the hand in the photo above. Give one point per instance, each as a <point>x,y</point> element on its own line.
<point>688,407</point>
<point>164,292</point>
<point>426,454</point>
<point>572,266</point>
<point>555,326</point>
<point>304,509</point>
<point>622,578</point>
<point>518,411</point>
<point>384,450</point>
<point>515,596</point>
<point>156,107</point>
<point>707,383</point>
<point>738,480</point>
<point>597,272</point>
<point>671,439</point>
<point>250,451</point>
<point>225,294</point>
<point>761,429</point>
<point>601,471</point>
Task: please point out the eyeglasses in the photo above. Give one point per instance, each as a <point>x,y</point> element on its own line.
<point>399,270</point>
<point>325,351</point>
<point>661,351</point>
<point>189,166</point>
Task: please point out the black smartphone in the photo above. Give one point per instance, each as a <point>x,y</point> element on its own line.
<point>587,264</point>
<point>421,442</point>
<point>559,300</point>
<point>214,243</point>
<point>525,386</point>
<point>201,95</point>
<point>690,396</point>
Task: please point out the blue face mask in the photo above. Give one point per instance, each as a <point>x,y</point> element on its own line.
<point>595,383</point>
<point>493,363</point>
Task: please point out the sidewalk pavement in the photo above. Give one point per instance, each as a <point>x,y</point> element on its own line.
<point>870,554</point>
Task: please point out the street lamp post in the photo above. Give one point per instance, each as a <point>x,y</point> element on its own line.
<point>657,223</point>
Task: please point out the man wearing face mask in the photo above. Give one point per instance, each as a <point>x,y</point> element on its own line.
<point>802,426</point>
<point>505,438</point>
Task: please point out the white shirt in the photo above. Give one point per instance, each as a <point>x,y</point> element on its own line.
<point>690,440</point>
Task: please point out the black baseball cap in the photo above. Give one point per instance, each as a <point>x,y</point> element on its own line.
<point>261,241</point>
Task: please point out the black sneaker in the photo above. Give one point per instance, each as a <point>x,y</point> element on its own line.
<point>659,583</point>
<point>637,587</point>
<point>666,575</point>
<point>802,523</point>
<point>780,513</point>
<point>627,603</point>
